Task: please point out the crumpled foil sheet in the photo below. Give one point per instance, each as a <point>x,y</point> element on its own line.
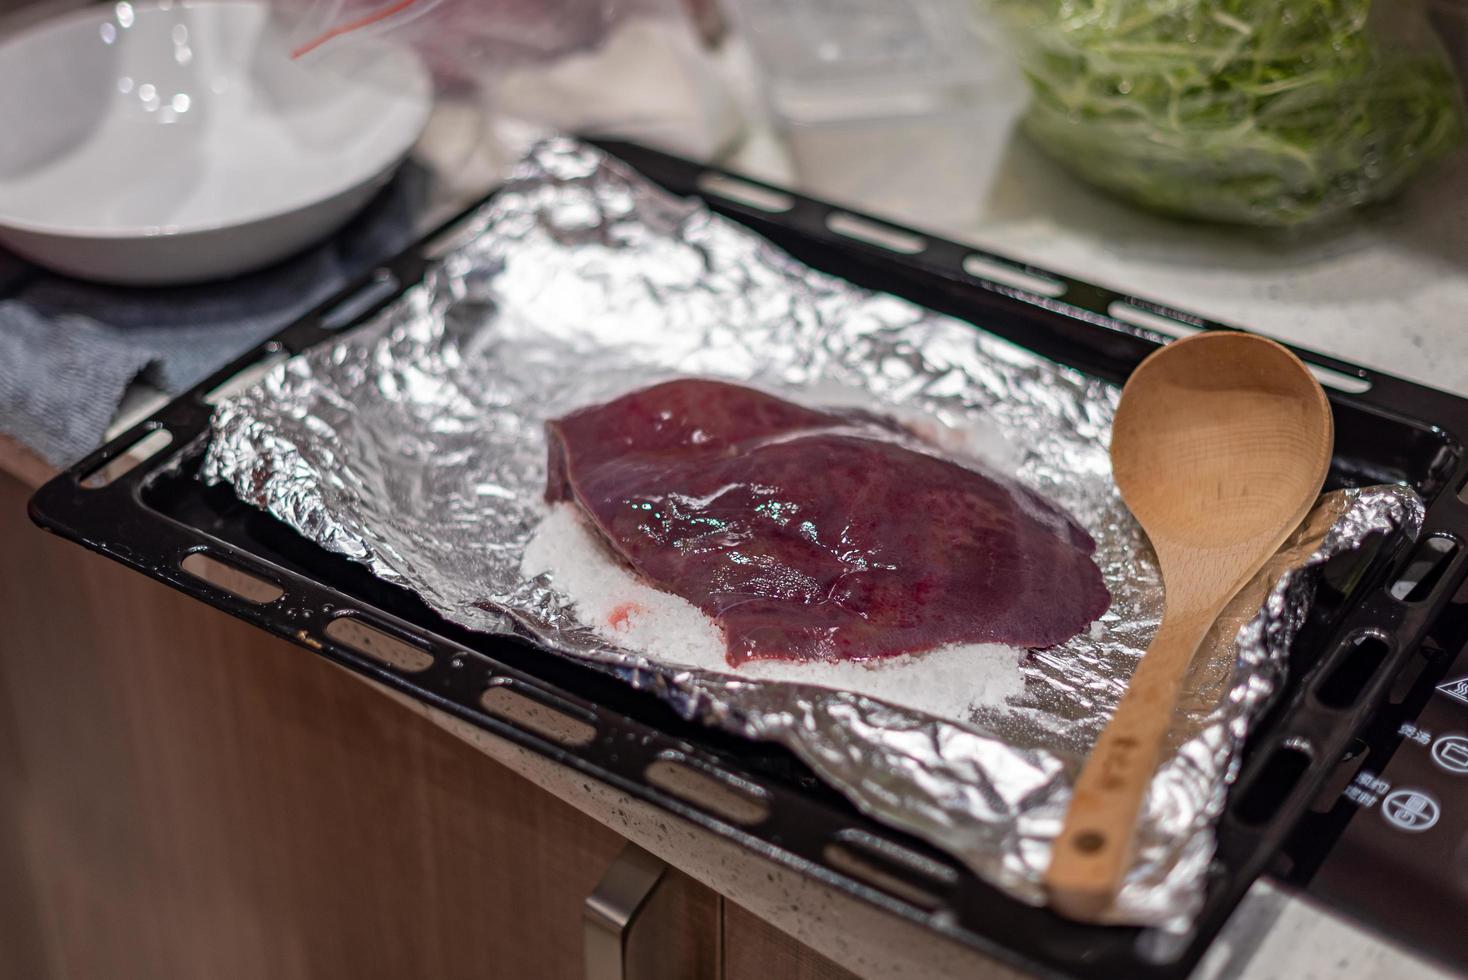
<point>414,445</point>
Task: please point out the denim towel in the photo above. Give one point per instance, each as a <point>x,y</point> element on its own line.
<point>70,349</point>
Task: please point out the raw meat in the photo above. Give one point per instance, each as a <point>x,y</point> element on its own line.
<point>809,535</point>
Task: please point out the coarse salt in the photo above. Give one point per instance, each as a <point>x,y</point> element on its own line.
<point>952,682</point>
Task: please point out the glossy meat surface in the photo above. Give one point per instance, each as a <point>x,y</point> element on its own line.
<point>811,535</point>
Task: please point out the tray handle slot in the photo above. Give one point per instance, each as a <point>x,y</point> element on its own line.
<point>1344,573</point>
<point>899,856</point>
<point>889,867</point>
<point>228,577</point>
<point>1275,782</point>
<point>351,632</point>
<point>1008,274</point>
<point>745,192</point>
<point>373,293</point>
<point>1171,327</point>
<point>557,723</point>
<point>1174,325</point>
<point>1354,666</point>
<point>870,232</point>
<point>234,384</point>
<point>124,461</point>
<point>721,793</point>
<point>1425,569</point>
<point>1351,384</point>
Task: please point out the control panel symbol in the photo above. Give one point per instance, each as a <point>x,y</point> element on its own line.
<point>1457,689</point>
<point>1451,753</point>
<point>1411,810</point>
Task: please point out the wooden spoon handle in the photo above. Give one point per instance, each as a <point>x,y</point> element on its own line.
<point>1094,848</point>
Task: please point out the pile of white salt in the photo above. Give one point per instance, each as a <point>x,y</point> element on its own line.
<point>950,682</point>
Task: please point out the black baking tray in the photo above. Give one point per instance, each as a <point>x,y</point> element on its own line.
<point>1359,635</point>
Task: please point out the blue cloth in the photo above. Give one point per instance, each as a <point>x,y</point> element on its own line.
<point>70,349</point>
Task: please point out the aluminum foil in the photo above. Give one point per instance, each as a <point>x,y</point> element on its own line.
<point>414,445</point>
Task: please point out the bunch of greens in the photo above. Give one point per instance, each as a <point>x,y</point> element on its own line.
<point>1265,112</point>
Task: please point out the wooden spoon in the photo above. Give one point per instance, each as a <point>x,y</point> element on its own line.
<point>1220,446</point>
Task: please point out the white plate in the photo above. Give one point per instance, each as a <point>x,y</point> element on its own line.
<point>177,142</point>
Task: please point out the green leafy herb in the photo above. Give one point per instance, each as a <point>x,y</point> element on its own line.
<point>1268,112</point>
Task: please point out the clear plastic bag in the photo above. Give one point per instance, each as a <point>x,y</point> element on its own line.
<point>1262,112</point>
<point>466,41</point>
<point>629,68</point>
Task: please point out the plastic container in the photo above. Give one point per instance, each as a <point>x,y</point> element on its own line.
<point>900,106</point>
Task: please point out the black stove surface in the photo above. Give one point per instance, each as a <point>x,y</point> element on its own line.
<point>1387,840</point>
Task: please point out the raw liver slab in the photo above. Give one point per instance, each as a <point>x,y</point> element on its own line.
<point>811,535</point>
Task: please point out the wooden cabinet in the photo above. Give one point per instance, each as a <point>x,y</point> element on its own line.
<point>184,796</point>
<point>756,950</point>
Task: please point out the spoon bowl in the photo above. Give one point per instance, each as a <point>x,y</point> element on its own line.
<point>1219,447</point>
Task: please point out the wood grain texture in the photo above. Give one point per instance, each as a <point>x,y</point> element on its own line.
<point>756,950</point>
<point>183,796</point>
<point>22,463</point>
<point>1220,446</point>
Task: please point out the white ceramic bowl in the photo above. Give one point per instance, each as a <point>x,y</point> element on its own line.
<point>178,142</point>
